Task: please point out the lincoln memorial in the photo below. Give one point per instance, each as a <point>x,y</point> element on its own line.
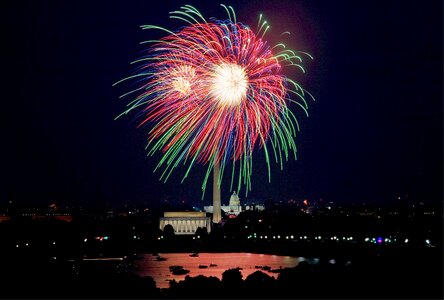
<point>185,222</point>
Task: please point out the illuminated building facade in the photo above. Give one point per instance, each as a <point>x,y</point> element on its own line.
<point>185,222</point>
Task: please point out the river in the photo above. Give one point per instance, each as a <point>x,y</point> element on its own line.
<point>147,265</point>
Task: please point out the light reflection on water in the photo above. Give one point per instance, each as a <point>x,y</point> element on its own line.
<point>159,270</point>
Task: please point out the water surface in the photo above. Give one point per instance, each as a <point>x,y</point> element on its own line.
<point>147,265</point>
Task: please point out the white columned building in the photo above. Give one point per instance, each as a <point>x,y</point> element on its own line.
<point>185,222</point>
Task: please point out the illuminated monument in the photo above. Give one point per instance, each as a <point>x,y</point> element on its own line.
<point>185,222</point>
<point>232,209</point>
<point>217,215</point>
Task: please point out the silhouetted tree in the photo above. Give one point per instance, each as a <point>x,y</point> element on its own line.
<point>195,287</point>
<point>232,281</point>
<point>201,233</point>
<point>168,231</point>
<point>261,285</point>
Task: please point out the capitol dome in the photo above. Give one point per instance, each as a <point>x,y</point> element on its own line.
<point>234,199</point>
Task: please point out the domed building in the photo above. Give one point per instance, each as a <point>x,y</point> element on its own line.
<point>232,209</point>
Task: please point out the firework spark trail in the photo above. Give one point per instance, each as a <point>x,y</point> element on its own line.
<point>213,92</point>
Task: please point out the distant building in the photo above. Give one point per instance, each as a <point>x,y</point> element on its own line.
<point>185,222</point>
<point>4,218</point>
<point>52,216</point>
<point>233,208</point>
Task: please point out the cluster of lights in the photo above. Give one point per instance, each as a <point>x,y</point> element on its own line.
<point>302,237</point>
<point>380,240</point>
<point>100,238</point>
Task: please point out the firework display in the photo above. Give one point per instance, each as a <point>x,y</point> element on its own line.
<point>212,92</point>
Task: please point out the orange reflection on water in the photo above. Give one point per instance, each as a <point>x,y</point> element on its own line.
<point>159,270</point>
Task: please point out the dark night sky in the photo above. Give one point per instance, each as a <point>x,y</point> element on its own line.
<point>374,132</point>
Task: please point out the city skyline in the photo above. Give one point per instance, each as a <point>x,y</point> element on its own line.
<point>374,132</point>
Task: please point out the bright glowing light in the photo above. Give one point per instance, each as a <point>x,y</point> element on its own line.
<point>427,242</point>
<point>182,78</point>
<point>406,241</point>
<point>229,84</point>
<point>292,237</point>
<point>367,239</point>
<point>212,92</point>
<point>85,240</point>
